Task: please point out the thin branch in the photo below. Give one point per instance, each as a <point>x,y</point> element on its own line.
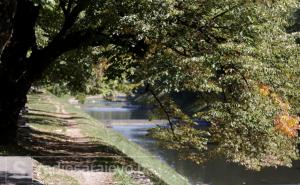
<point>225,12</point>
<point>242,75</point>
<point>163,108</point>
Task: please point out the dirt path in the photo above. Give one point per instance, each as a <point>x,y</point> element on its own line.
<point>84,177</point>
<point>70,149</point>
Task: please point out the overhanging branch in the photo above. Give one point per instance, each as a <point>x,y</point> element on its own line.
<point>162,108</point>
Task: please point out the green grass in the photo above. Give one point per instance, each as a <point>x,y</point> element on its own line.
<point>122,178</point>
<point>97,131</point>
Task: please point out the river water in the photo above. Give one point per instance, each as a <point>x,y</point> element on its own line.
<point>214,172</point>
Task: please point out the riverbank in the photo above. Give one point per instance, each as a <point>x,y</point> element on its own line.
<point>150,164</point>
<point>70,147</point>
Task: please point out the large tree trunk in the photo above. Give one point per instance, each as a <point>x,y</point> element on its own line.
<point>12,99</point>
<point>14,79</point>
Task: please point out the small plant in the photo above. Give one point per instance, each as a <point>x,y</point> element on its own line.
<point>122,178</point>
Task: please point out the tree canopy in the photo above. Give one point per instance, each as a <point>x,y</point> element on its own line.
<point>238,58</point>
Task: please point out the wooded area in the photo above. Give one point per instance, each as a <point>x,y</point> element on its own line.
<point>239,60</point>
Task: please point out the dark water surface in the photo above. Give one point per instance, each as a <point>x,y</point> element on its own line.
<point>215,172</point>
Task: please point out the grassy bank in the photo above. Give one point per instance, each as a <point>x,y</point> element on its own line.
<point>98,133</point>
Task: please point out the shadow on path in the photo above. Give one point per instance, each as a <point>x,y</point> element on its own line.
<point>61,151</point>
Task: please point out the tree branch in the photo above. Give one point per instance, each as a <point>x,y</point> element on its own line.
<point>223,13</point>
<point>162,107</point>
<point>71,15</point>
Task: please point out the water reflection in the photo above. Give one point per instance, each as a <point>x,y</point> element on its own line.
<point>107,110</point>
<point>215,172</point>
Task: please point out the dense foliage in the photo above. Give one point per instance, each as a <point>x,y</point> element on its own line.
<point>237,57</point>
<point>236,54</point>
<point>240,60</point>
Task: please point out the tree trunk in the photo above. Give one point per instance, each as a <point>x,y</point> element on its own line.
<point>14,79</point>
<point>7,125</point>
<point>12,99</point>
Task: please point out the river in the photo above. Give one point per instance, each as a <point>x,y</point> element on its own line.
<point>131,121</point>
